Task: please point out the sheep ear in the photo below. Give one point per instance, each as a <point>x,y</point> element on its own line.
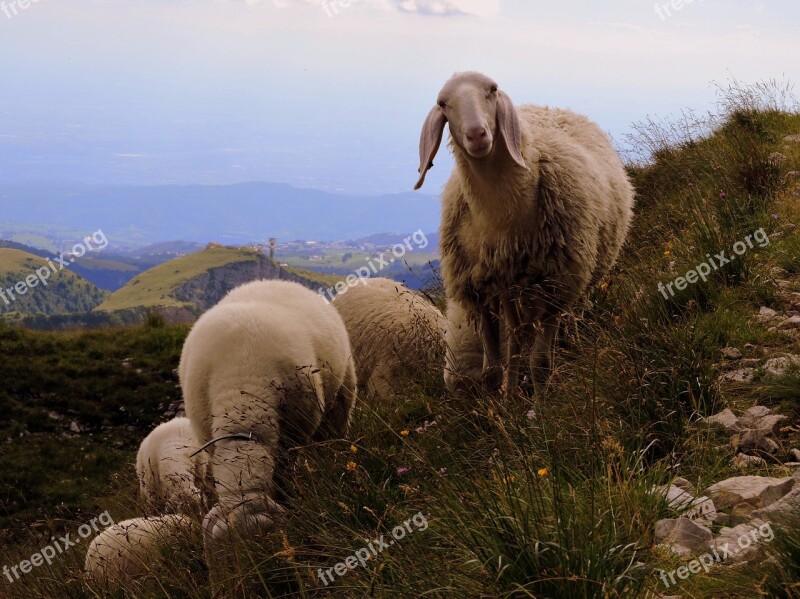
<point>429,142</point>
<point>508,124</point>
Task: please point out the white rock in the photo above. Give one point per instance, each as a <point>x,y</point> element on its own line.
<point>766,314</point>
<point>781,365</point>
<point>683,536</point>
<point>751,414</point>
<point>792,323</point>
<point>753,441</point>
<point>770,425</point>
<point>742,375</point>
<point>726,420</point>
<point>796,454</point>
<point>742,543</point>
<point>784,511</point>
<point>743,494</point>
<point>744,461</point>
<point>731,353</point>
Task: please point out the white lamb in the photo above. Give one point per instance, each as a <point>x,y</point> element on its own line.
<point>267,369</point>
<point>170,480</point>
<point>136,549</point>
<point>535,213</point>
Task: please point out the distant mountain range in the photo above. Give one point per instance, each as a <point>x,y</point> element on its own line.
<point>229,214</point>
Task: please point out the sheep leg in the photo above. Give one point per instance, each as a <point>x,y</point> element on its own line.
<point>513,324</point>
<point>337,418</point>
<point>492,375</point>
<point>542,354</point>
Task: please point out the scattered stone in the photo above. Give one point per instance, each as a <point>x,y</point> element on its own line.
<point>739,544</point>
<point>731,353</point>
<point>743,494</point>
<point>726,420</point>
<point>795,138</point>
<point>55,416</point>
<point>791,324</point>
<point>784,511</point>
<point>684,484</point>
<point>781,365</point>
<point>683,536</point>
<point>744,461</point>
<point>752,441</point>
<point>700,509</point>
<point>731,520</point>
<point>742,375</point>
<point>783,284</point>
<point>777,158</point>
<point>796,454</point>
<point>75,427</point>
<point>703,511</point>
<point>751,414</point>
<point>766,314</point>
<point>770,425</point>
<point>127,362</point>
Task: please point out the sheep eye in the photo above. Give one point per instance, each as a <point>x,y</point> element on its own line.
<point>493,89</point>
<point>442,103</point>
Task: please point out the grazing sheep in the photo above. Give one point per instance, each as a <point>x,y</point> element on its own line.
<point>394,333</point>
<point>267,369</point>
<point>169,479</point>
<point>136,549</point>
<point>534,214</point>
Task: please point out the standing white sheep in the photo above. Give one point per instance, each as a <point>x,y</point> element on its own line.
<point>136,549</point>
<point>535,212</point>
<point>395,334</point>
<point>170,479</point>
<point>267,369</point>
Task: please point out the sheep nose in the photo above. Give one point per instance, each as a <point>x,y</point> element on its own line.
<point>476,134</point>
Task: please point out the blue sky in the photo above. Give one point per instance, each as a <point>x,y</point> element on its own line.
<point>222,91</point>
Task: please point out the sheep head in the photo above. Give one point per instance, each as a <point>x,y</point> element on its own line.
<point>478,114</point>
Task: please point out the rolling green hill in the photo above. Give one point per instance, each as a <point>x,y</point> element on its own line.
<point>196,282</point>
<point>63,292</point>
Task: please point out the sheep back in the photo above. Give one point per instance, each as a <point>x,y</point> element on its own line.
<point>394,334</point>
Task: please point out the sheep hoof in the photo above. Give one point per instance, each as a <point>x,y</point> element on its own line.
<point>248,520</point>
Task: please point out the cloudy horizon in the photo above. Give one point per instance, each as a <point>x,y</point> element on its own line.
<point>330,94</point>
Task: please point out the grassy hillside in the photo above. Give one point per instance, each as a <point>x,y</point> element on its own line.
<point>531,498</point>
<point>63,292</point>
<point>77,410</point>
<point>156,287</point>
